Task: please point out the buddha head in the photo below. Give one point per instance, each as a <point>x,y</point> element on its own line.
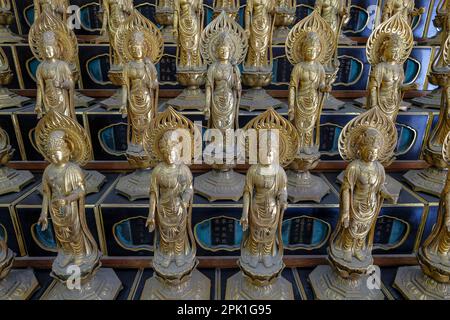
<point>58,147</point>
<point>137,45</point>
<point>170,145</point>
<point>311,46</point>
<point>392,48</point>
<point>224,46</point>
<point>50,45</point>
<point>369,144</point>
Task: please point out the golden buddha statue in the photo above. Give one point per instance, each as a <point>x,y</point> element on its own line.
<point>308,48</point>
<point>66,145</point>
<point>11,180</point>
<point>139,43</point>
<point>368,141</point>
<point>51,15</point>
<point>337,14</point>
<point>115,13</point>
<point>188,26</point>
<point>8,98</point>
<point>433,179</point>
<point>259,17</point>
<point>405,7</point>
<point>7,19</point>
<point>224,45</point>
<point>170,136</point>
<point>431,281</point>
<point>55,45</point>
<point>285,15</point>
<point>442,23</point>
<point>57,7</point>
<point>265,200</point>
<point>231,7</point>
<point>55,85</point>
<point>164,16</point>
<point>387,49</point>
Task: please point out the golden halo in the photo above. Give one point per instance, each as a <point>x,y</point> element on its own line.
<point>289,140</point>
<point>396,25</point>
<point>211,34</point>
<point>76,136</point>
<point>65,38</point>
<point>446,51</point>
<point>312,23</point>
<point>373,118</point>
<point>165,121</point>
<point>153,41</point>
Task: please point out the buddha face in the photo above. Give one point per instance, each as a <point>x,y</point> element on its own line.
<point>137,50</point>
<point>50,51</point>
<point>171,147</point>
<point>312,48</point>
<point>223,51</point>
<point>58,149</point>
<point>392,52</point>
<point>369,153</point>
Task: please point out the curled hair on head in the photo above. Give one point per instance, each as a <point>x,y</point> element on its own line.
<point>370,137</point>
<point>57,140</point>
<point>312,39</point>
<point>224,39</point>
<point>138,37</point>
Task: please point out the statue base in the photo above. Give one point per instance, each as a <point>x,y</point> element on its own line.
<point>103,285</point>
<point>392,186</point>
<point>280,35</point>
<point>430,180</point>
<point>167,34</point>
<point>259,99</point>
<point>303,186</point>
<point>9,99</point>
<point>196,287</point>
<point>135,185</point>
<point>12,180</point>
<point>333,104</point>
<point>114,102</point>
<point>189,99</point>
<point>18,285</point>
<point>240,287</point>
<point>7,36</point>
<point>220,185</point>
<point>415,285</point>
<point>431,100</point>
<point>82,101</point>
<point>327,284</point>
<point>404,106</point>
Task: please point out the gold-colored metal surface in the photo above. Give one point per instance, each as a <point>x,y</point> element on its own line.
<point>405,7</point>
<point>387,49</point>
<point>308,48</point>
<point>259,20</point>
<point>66,145</point>
<point>6,19</point>
<point>188,25</point>
<point>140,45</point>
<point>224,46</point>
<point>164,16</point>
<point>337,14</point>
<point>8,99</point>
<point>170,212</point>
<point>284,17</point>
<point>11,180</point>
<point>265,200</point>
<point>432,280</point>
<point>367,141</point>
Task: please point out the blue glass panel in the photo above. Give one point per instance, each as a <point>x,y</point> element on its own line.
<point>45,238</point>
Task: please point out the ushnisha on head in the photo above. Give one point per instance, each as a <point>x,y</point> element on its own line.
<point>311,46</point>
<point>224,46</point>
<point>50,44</point>
<point>391,48</point>
<point>58,147</point>
<point>171,146</point>
<point>369,144</point>
<point>137,44</point>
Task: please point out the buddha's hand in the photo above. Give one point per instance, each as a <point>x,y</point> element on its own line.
<point>346,220</point>
<point>244,223</point>
<point>43,222</point>
<point>150,224</point>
